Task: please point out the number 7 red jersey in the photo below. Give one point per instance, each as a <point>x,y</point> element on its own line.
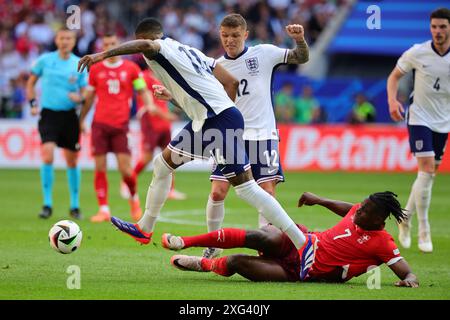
<point>113,85</point>
<point>346,251</point>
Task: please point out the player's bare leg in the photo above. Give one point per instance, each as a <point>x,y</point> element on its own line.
<point>74,181</point>
<point>47,178</point>
<point>101,189</point>
<point>124,165</point>
<point>247,189</point>
<point>254,268</point>
<point>165,163</point>
<point>267,240</point>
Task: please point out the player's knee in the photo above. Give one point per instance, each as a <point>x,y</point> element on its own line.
<point>160,167</point>
<point>236,262</point>
<point>263,237</point>
<point>218,194</point>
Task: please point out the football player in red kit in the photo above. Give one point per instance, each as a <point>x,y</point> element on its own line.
<point>155,132</point>
<point>113,81</point>
<point>358,242</point>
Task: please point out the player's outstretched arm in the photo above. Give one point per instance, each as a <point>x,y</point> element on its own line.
<point>148,48</point>
<point>395,107</point>
<point>403,271</point>
<point>341,208</point>
<point>300,54</point>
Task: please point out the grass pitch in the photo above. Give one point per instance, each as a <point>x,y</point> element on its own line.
<point>113,266</point>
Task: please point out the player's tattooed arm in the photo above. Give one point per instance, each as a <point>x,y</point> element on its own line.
<point>148,48</point>
<point>300,54</point>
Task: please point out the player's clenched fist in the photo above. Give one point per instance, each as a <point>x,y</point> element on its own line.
<point>308,199</point>
<point>295,31</point>
<point>89,60</point>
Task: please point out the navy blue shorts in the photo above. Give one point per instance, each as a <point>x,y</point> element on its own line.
<point>426,143</point>
<point>264,160</point>
<point>220,138</point>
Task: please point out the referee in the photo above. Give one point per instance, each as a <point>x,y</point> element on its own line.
<point>62,88</point>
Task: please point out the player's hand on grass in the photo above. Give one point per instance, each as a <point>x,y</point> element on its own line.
<point>87,61</point>
<point>161,92</point>
<point>295,31</point>
<point>308,199</point>
<point>411,283</point>
<point>396,110</point>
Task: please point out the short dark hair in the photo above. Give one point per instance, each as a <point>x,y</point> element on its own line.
<point>387,202</point>
<point>234,20</point>
<point>441,13</point>
<point>149,25</point>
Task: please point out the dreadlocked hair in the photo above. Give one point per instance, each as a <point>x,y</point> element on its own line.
<point>387,201</point>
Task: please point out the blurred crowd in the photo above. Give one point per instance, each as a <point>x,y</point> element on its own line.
<point>27,29</point>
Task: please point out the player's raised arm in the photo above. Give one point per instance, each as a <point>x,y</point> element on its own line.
<point>147,47</point>
<point>230,83</point>
<point>403,271</point>
<point>300,54</point>
<point>339,207</point>
<point>395,107</point>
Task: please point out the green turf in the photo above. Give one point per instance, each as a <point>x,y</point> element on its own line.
<point>115,267</point>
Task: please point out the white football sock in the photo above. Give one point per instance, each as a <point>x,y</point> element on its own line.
<point>411,205</point>
<point>215,212</point>
<point>261,220</point>
<point>253,194</point>
<point>157,193</point>
<point>422,194</point>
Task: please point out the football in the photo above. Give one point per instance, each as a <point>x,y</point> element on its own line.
<point>65,236</point>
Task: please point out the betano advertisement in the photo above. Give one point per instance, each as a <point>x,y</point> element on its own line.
<point>318,148</point>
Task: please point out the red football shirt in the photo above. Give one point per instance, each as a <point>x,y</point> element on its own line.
<point>156,122</point>
<point>113,84</point>
<point>346,251</point>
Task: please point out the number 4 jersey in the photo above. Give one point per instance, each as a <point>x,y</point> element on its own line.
<point>431,96</point>
<point>346,251</point>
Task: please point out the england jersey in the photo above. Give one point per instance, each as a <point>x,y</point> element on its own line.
<point>254,69</point>
<point>187,73</point>
<point>431,96</point>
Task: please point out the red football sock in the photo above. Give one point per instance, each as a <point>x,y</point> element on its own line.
<point>101,187</point>
<point>139,167</point>
<point>216,265</point>
<point>223,238</point>
<point>131,183</point>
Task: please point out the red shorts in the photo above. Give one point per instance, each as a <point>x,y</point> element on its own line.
<point>106,139</point>
<point>288,257</point>
<point>151,138</point>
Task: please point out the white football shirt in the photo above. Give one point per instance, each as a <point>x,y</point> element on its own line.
<point>254,69</point>
<point>187,73</point>
<point>431,96</point>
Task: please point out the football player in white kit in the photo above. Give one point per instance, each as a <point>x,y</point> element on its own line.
<point>205,91</point>
<point>253,67</point>
<point>428,117</point>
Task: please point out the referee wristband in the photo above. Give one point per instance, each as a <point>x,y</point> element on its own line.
<point>33,103</point>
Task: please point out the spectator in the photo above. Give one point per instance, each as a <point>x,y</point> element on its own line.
<point>363,111</point>
<point>307,109</point>
<point>285,104</point>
